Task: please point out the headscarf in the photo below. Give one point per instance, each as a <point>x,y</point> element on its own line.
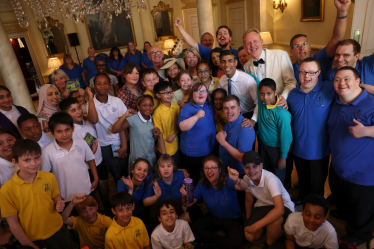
<point>102,57</point>
<point>44,106</point>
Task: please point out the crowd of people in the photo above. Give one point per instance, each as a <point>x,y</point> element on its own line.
<point>178,136</point>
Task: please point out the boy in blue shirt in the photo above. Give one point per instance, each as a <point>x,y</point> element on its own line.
<point>274,129</point>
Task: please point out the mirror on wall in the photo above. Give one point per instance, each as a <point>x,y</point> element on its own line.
<point>162,17</point>
<point>54,38</point>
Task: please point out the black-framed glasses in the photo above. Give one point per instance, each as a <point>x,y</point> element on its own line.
<point>167,93</point>
<point>213,169</point>
<point>203,72</point>
<point>299,45</point>
<point>157,52</point>
<point>303,73</point>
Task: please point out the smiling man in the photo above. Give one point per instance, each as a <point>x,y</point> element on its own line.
<point>350,125</point>
<point>156,55</point>
<point>239,84</point>
<point>348,54</point>
<point>234,140</point>
<point>207,40</point>
<point>268,63</point>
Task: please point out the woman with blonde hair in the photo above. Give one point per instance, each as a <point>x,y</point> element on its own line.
<point>59,78</point>
<point>73,70</point>
<point>133,55</point>
<point>191,57</point>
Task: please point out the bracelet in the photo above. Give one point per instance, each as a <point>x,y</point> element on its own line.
<point>238,181</point>
<point>342,17</point>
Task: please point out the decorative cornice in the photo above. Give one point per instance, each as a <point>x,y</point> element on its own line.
<point>13,27</point>
<point>191,4</point>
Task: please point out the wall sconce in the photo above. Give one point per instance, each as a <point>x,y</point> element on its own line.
<point>282,4</point>
<point>54,63</point>
<point>266,38</point>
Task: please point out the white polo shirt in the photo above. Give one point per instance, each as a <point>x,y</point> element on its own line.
<point>80,131</point>
<point>243,86</point>
<point>45,139</point>
<point>269,186</point>
<point>324,237</point>
<point>108,114</point>
<point>161,238</point>
<point>69,167</point>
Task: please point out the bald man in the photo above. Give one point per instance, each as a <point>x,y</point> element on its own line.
<point>156,55</point>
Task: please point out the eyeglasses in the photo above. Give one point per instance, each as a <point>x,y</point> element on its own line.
<point>303,73</point>
<point>167,93</point>
<point>211,169</point>
<point>299,45</point>
<point>203,72</point>
<point>157,52</point>
<point>200,91</point>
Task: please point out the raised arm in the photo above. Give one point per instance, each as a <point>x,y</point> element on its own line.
<point>92,113</point>
<point>188,123</point>
<point>188,39</point>
<point>340,26</point>
<point>66,213</point>
<point>234,152</point>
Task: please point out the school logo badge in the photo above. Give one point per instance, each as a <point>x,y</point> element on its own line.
<point>46,187</point>
<point>79,150</point>
<point>114,109</point>
<point>270,118</point>
<point>138,232</point>
<point>102,230</point>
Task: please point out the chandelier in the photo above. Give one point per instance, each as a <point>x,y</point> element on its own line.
<point>75,9</point>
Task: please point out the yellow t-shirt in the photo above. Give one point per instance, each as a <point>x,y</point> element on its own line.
<point>33,204</point>
<point>156,101</point>
<point>134,236</point>
<point>219,126</point>
<point>91,235</point>
<point>166,119</point>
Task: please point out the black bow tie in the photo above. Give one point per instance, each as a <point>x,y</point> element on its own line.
<point>261,61</point>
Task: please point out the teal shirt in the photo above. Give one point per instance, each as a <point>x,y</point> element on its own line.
<point>274,126</point>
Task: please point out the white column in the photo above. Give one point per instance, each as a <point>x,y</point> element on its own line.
<point>12,74</point>
<point>205,17</point>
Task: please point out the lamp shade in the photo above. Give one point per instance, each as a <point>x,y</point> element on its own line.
<point>54,62</point>
<point>168,44</point>
<point>266,37</point>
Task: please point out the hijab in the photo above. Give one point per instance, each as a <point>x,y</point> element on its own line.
<point>45,107</point>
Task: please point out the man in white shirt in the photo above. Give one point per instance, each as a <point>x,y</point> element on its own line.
<point>239,84</point>
<point>268,63</point>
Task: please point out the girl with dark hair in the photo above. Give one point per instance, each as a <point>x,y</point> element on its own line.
<point>219,193</point>
<point>219,118</point>
<point>133,55</point>
<point>9,113</point>
<point>204,72</point>
<point>215,62</point>
<point>132,90</point>
<point>73,70</point>
<point>146,62</point>
<point>116,63</point>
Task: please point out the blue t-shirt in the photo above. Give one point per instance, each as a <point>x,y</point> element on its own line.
<point>352,158</point>
<point>75,73</point>
<point>222,203</point>
<point>136,58</point>
<point>241,138</point>
<point>205,54</point>
<point>146,60</point>
<point>137,194</point>
<point>324,60</point>
<point>117,65</point>
<point>201,138</point>
<point>168,191</point>
<point>89,66</point>
<point>309,120</point>
<point>365,68</point>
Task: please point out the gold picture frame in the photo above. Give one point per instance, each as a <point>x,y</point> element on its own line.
<point>104,35</point>
<point>312,10</point>
<point>163,27</point>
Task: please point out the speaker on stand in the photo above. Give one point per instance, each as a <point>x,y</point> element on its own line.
<point>74,42</point>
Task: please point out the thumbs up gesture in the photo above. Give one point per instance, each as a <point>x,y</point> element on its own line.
<point>357,131</point>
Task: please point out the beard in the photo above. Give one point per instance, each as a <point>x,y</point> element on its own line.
<point>223,45</point>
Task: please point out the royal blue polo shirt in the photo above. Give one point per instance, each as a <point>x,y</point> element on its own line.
<point>90,67</point>
<point>324,60</point>
<point>201,138</point>
<point>352,158</point>
<point>136,58</point>
<point>205,54</point>
<point>137,194</point>
<point>365,68</point>
<point>240,138</point>
<point>221,203</point>
<point>146,60</point>
<point>309,120</point>
<point>117,65</point>
<point>75,73</point>
<point>168,191</point>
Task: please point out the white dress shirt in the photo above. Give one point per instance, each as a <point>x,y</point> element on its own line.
<point>261,68</point>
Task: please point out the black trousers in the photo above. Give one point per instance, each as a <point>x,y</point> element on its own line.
<point>59,240</point>
<point>356,203</point>
<point>206,227</point>
<point>193,165</point>
<point>312,175</point>
<point>270,156</point>
<point>117,166</point>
